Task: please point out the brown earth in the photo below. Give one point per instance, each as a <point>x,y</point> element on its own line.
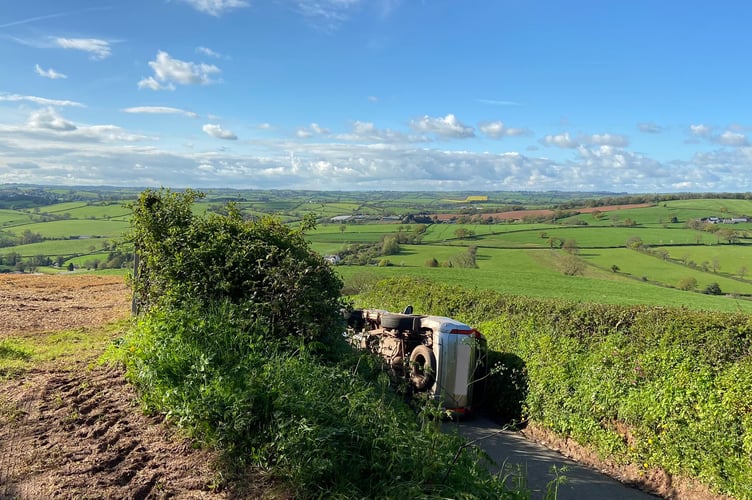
<point>75,430</point>
<point>42,303</point>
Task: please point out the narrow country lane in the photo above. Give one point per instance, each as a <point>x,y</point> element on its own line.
<point>535,462</point>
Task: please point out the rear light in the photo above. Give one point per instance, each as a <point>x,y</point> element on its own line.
<point>473,332</point>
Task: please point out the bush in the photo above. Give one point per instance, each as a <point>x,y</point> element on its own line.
<point>687,283</point>
<point>713,289</point>
<point>266,267</point>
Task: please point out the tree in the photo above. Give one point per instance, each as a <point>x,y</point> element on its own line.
<point>742,272</point>
<point>432,262</point>
<point>390,246</point>
<point>571,265</point>
<point>466,259</point>
<point>713,289</point>
<point>635,243</point>
<point>729,235</point>
<point>687,283</point>
<point>342,228</point>
<point>570,246</point>
<point>463,233</point>
<point>615,268</point>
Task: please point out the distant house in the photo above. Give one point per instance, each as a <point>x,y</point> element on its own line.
<point>332,259</point>
<point>718,220</point>
<point>341,218</point>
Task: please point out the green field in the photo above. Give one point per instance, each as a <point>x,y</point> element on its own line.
<point>61,229</point>
<point>519,272</point>
<point>59,247</point>
<point>516,258</point>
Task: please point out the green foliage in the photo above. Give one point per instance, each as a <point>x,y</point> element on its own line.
<point>235,316</point>
<point>658,386</point>
<point>262,265</point>
<point>329,430</point>
<point>687,283</point>
<point>390,246</point>
<point>712,289</point>
<point>466,259</point>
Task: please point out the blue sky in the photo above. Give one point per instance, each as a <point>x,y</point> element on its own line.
<point>638,96</point>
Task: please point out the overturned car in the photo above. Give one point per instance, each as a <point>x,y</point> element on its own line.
<point>439,356</point>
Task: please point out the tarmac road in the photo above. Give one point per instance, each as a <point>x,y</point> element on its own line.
<point>516,453</point>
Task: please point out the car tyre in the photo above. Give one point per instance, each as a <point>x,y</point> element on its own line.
<point>422,368</point>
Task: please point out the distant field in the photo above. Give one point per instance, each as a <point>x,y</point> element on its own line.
<point>641,265</point>
<point>518,273</point>
<point>69,228</point>
<point>13,217</point>
<point>94,211</point>
<point>513,258</point>
<point>57,247</point>
<point>598,237</point>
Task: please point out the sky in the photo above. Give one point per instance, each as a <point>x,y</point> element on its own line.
<point>410,95</point>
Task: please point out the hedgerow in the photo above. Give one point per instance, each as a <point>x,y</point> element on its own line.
<point>239,341</point>
<point>663,388</point>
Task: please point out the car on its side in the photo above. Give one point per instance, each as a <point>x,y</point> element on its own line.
<point>439,356</point>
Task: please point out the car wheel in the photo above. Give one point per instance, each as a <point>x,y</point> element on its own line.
<point>422,368</point>
<point>400,322</point>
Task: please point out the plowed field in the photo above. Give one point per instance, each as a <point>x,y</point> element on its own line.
<point>74,429</point>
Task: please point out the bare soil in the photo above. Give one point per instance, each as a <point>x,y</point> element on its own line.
<point>77,431</point>
<point>41,303</point>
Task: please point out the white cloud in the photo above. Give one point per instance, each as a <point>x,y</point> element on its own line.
<point>311,130</point>
<point>160,110</point>
<point>47,129</point>
<point>168,71</point>
<point>447,127</point>
<point>614,140</point>
<point>39,100</point>
<point>209,52</point>
<point>497,130</point>
<point>373,98</point>
<point>325,14</point>
<point>560,141</point>
<point>106,155</point>
<point>729,138</point>
<point>216,7</point>
<point>218,132</point>
<point>49,73</point>
<point>98,49</point>
<point>700,130</point>
<point>495,102</point>
<point>151,83</point>
<point>650,128</point>
<point>368,132</point>
<point>49,119</point>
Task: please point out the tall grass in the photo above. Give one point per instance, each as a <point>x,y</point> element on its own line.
<point>330,430</point>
